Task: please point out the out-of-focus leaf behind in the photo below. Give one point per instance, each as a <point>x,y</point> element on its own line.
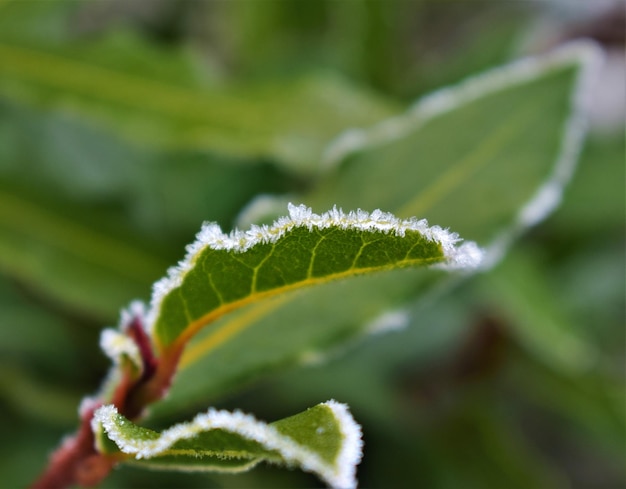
<point>153,97</point>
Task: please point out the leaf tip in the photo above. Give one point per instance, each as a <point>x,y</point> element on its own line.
<point>351,450</point>
<point>117,345</point>
<point>135,310</point>
<point>103,420</point>
<point>467,256</point>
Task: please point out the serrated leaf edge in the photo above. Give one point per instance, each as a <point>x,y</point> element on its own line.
<point>466,256</point>
<point>342,474</point>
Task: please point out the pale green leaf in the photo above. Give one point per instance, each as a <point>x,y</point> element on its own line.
<point>72,261</point>
<point>163,193</point>
<point>324,440</point>
<point>125,85</point>
<point>484,157</point>
<point>90,221</point>
<point>599,180</point>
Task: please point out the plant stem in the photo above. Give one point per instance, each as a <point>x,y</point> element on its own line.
<point>76,461</point>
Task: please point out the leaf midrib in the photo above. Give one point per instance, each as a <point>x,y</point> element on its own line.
<point>192,328</point>
<point>480,157</point>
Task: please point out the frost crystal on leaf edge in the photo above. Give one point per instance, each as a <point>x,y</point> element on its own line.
<point>116,344</point>
<point>340,474</point>
<point>466,256</point>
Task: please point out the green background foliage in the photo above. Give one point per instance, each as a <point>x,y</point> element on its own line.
<point>513,379</point>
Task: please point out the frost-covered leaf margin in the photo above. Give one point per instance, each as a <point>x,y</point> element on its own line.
<point>147,445</point>
<point>465,256</point>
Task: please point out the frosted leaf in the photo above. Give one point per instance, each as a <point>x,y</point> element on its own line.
<point>335,464</point>
<point>213,237</point>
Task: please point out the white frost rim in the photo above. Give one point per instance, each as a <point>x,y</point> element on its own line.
<point>549,195</point>
<point>584,53</point>
<point>466,256</point>
<point>342,474</point>
<point>116,344</point>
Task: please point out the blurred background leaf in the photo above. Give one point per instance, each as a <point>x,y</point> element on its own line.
<point>122,83</point>
<point>471,395</point>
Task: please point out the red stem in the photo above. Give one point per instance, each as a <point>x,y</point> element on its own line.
<point>77,461</point>
<point>155,387</point>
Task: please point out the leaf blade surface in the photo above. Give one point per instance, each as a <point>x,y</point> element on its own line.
<point>222,273</point>
<point>324,440</point>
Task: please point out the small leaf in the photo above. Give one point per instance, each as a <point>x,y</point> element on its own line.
<point>324,440</point>
<point>119,347</point>
<point>224,272</point>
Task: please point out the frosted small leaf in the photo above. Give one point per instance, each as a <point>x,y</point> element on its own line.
<point>324,440</point>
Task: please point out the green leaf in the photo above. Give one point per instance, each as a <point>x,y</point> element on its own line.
<point>521,287</point>
<point>490,184</point>
<point>599,180</point>
<point>165,193</point>
<point>124,84</point>
<point>324,440</point>
<point>486,156</point>
<point>224,272</point>
<point>71,261</point>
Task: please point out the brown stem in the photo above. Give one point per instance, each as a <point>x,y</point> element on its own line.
<point>76,461</point>
<point>153,388</point>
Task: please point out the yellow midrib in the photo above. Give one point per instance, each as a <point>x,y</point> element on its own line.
<point>193,327</point>
<point>456,174</point>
